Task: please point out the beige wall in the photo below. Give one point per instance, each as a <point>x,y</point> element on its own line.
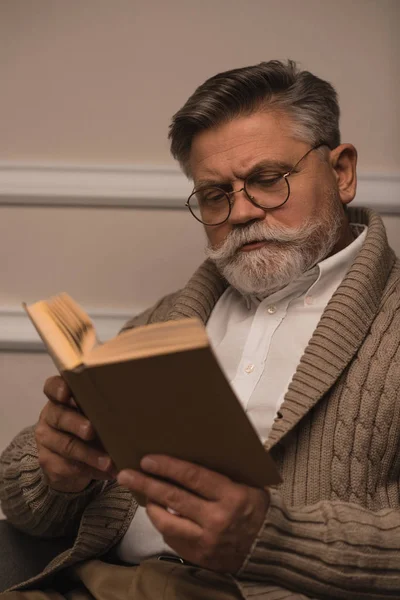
<point>123,258</point>
<point>23,399</point>
<point>95,82</point>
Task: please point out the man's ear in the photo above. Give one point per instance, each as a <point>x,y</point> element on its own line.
<point>344,163</point>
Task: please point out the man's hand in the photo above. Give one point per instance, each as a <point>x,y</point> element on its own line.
<point>65,441</point>
<point>208,520</point>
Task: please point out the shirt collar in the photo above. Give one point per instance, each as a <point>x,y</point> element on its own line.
<point>333,269</point>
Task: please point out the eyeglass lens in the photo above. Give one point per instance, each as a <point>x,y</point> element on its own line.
<point>211,205</point>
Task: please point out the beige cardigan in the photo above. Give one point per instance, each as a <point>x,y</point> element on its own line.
<point>333,526</point>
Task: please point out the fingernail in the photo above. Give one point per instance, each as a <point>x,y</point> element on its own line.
<point>103,463</point>
<point>148,464</point>
<point>85,430</point>
<point>60,393</point>
<point>125,478</point>
<point>173,512</point>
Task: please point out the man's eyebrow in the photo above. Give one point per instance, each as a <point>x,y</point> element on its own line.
<point>273,166</point>
<point>203,183</point>
<point>277,167</point>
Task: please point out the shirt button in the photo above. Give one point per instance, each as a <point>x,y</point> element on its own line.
<point>249,369</point>
<point>271,309</point>
<point>309,300</point>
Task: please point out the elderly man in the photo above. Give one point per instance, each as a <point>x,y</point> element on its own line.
<point>301,299</point>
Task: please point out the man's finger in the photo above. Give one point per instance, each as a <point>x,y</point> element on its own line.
<point>208,484</point>
<point>173,527</point>
<point>71,448</point>
<point>57,390</point>
<point>57,469</point>
<point>165,494</point>
<point>67,419</point>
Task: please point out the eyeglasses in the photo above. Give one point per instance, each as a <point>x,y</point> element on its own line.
<point>212,205</point>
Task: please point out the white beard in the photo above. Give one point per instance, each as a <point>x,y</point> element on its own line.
<point>288,253</point>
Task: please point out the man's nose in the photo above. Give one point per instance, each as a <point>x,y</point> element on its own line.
<point>242,209</point>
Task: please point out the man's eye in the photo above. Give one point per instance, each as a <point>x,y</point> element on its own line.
<point>212,197</point>
<point>265,180</point>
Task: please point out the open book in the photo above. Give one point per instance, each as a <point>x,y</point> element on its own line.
<point>155,389</point>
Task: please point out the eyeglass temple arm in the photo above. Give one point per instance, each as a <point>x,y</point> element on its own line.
<point>303,157</point>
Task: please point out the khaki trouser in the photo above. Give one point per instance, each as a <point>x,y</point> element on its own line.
<point>151,580</point>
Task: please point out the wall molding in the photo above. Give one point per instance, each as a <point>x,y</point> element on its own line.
<point>17,333</point>
<point>100,186</point>
<point>92,186</point>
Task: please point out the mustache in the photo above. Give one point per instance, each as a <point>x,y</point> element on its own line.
<point>260,232</point>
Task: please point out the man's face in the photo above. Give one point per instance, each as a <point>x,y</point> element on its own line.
<point>260,251</point>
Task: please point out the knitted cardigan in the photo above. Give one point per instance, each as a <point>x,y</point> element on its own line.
<point>332,529</point>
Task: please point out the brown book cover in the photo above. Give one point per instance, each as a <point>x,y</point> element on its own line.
<point>159,389</point>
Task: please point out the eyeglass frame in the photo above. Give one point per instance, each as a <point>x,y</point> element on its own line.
<point>248,196</point>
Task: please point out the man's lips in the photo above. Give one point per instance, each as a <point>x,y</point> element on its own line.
<point>252,246</point>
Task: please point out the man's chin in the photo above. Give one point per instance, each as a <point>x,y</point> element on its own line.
<point>263,271</point>
<point>254,282</point>
<point>266,253</point>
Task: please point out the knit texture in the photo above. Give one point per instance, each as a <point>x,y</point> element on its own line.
<point>333,526</point>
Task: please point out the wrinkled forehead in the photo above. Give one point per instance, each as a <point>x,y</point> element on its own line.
<point>231,149</point>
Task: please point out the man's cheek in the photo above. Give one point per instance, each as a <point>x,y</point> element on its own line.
<point>216,235</point>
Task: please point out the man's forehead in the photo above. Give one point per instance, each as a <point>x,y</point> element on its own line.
<point>240,143</point>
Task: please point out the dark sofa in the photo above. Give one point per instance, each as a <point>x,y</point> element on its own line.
<point>23,556</point>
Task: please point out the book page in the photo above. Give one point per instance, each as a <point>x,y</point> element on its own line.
<point>78,322</point>
<point>150,340</point>
<point>65,329</point>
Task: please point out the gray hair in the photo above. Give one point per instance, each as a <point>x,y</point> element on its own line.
<point>311,102</point>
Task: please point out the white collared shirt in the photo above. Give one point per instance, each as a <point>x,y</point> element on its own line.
<point>259,345</point>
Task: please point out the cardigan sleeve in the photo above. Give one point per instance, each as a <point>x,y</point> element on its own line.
<point>331,549</point>
<point>28,502</point>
